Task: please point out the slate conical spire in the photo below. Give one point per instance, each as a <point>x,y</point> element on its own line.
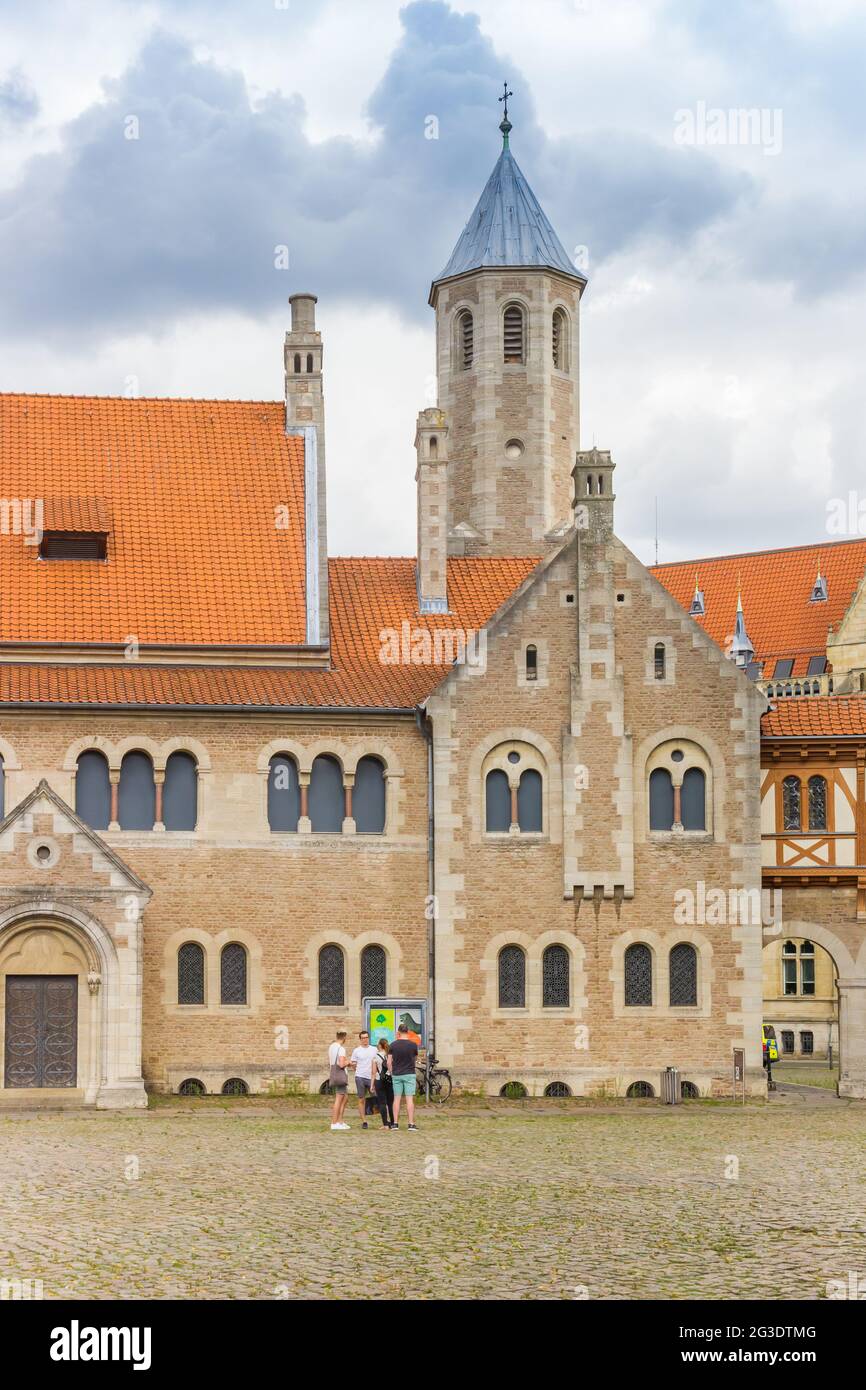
<point>508,226</point>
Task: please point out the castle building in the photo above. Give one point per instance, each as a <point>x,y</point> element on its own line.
<point>796,618</point>
<point>247,785</point>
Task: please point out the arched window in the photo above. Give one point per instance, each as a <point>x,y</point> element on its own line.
<point>512,978</point>
<point>180,793</point>
<point>693,800</point>
<point>639,976</point>
<point>309,361</point>
<point>640,1090</point>
<point>683,969</point>
<point>297,362</point>
<point>137,794</point>
<point>532,663</point>
<point>190,974</point>
<point>374,972</point>
<point>817,803</point>
<point>791,803</point>
<point>327,800</point>
<point>529,807</point>
<point>661,799</point>
<point>465,340</point>
<point>368,798</point>
<point>93,790</point>
<point>560,340</point>
<point>332,976</point>
<point>658,656</point>
<point>513,334</point>
<point>233,974</point>
<point>555,983</point>
<point>284,793</point>
<point>498,803</point>
<point>434,446</point>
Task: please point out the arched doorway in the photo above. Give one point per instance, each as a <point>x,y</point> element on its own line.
<point>56,974</point>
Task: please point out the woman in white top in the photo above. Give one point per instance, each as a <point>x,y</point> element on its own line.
<point>338,1078</point>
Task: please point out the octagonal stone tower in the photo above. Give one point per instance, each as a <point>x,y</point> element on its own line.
<point>507,344</point>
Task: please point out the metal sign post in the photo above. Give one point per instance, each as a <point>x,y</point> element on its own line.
<point>740,1071</point>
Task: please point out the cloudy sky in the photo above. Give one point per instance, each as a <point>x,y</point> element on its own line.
<point>722,354</point>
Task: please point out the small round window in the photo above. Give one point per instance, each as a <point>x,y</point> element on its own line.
<point>513,757</point>
<point>677,755</point>
<point>514,449</point>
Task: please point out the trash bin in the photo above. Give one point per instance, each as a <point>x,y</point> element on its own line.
<point>671,1094</point>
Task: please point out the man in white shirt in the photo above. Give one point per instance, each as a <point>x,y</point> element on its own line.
<point>362,1061</point>
<point>338,1079</point>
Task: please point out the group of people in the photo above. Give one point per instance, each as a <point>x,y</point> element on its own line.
<point>384,1075</point>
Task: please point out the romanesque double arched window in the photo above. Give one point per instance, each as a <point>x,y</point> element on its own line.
<point>192,974</point>
<point>799,794</point>
<point>638,976</point>
<point>513,778</point>
<point>678,787</point>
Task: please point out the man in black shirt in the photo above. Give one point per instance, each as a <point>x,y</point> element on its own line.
<point>402,1056</point>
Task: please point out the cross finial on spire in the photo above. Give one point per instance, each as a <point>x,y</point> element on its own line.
<point>505,124</point>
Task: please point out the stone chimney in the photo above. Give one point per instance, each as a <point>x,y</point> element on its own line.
<point>431,476</point>
<point>305,415</point>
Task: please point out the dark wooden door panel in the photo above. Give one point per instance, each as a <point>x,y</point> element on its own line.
<point>41,1030</point>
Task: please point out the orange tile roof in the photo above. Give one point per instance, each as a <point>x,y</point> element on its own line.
<point>776,585</point>
<point>90,514</point>
<point>817,716</point>
<point>370,600</point>
<point>190,488</point>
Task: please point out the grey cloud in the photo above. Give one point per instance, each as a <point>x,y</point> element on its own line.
<point>19,103</point>
<point>113,231</point>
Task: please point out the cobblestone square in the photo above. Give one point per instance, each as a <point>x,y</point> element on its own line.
<point>493,1202</point>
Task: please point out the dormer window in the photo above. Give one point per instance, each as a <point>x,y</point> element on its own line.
<point>697,608</point>
<point>75,528</point>
<point>819,590</point>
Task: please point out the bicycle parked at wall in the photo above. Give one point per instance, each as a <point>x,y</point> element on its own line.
<point>438,1078</point>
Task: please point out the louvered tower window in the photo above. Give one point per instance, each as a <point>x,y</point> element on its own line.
<point>560,340</point>
<point>465,339</point>
<point>513,334</point>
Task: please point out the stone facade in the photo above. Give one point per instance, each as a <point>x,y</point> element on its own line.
<point>566,944</point>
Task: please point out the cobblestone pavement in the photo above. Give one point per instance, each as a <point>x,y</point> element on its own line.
<point>247,1202</point>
